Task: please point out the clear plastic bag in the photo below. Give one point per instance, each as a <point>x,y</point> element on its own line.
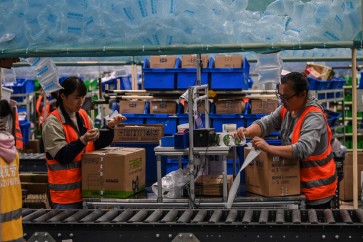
<point>172,183</point>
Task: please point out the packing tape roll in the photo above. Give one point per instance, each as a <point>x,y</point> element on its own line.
<point>226,139</point>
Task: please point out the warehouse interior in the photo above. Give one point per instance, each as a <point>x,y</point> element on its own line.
<point>184,76</point>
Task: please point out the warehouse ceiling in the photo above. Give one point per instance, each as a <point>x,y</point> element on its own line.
<point>43,26</point>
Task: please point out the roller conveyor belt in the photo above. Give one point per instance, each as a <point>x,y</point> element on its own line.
<point>193,225</point>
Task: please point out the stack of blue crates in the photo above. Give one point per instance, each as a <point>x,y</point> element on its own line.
<point>182,78</point>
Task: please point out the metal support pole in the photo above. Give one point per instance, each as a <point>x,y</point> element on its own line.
<point>199,69</point>
<point>355,127</point>
<point>191,143</point>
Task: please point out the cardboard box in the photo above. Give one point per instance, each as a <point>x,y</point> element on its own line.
<point>263,106</point>
<point>168,107</point>
<point>138,133</point>
<point>162,61</point>
<point>189,61</point>
<point>229,106</point>
<point>346,184</point>
<point>35,189</point>
<point>272,176</point>
<point>211,185</point>
<point>131,106</point>
<point>325,72</point>
<point>113,173</point>
<point>228,61</point>
<point>33,146</point>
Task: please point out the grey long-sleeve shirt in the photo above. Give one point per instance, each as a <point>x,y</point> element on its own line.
<point>314,133</point>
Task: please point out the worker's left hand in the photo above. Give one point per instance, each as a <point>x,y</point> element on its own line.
<point>116,120</point>
<point>260,144</point>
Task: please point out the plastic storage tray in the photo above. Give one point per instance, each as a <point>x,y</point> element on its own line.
<point>231,78</point>
<point>315,84</point>
<point>160,78</point>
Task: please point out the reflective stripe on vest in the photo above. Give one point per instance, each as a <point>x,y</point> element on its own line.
<point>64,187</point>
<point>9,216</point>
<point>65,179</point>
<point>18,135</point>
<point>317,172</point>
<point>314,163</point>
<point>60,167</point>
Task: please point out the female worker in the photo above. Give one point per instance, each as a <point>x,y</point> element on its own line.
<point>10,190</point>
<point>67,133</point>
<point>305,135</point>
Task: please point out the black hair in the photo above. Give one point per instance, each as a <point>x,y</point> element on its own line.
<point>298,82</point>
<point>5,108</point>
<point>70,85</point>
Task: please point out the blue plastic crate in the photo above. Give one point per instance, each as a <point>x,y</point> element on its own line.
<point>22,86</point>
<point>219,119</point>
<point>134,118</point>
<point>167,141</point>
<point>173,164</point>
<point>126,82</point>
<point>159,78</point>
<point>169,122</point>
<point>315,84</point>
<point>333,117</point>
<point>337,83</point>
<point>25,130</point>
<point>188,76</point>
<point>231,78</point>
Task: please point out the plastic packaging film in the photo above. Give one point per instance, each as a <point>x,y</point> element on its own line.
<point>233,191</point>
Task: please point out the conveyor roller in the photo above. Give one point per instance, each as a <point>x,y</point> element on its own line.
<point>204,224</point>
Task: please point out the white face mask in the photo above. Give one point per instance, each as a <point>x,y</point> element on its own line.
<point>5,135</point>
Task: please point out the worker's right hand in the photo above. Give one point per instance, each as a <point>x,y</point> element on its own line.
<point>241,133</point>
<point>90,135</point>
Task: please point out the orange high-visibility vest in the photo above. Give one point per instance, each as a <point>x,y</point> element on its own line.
<point>65,179</point>
<point>40,111</point>
<point>18,135</point>
<point>318,178</point>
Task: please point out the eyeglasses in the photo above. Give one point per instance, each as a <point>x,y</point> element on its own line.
<point>283,98</point>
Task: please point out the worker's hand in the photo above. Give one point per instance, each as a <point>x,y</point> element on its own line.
<point>116,120</point>
<point>241,133</point>
<point>260,144</point>
<point>90,135</point>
